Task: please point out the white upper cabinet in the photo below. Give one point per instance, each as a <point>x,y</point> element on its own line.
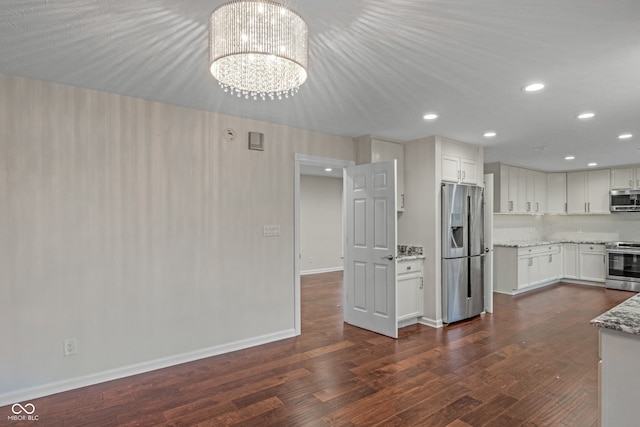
<point>625,178</point>
<point>556,192</point>
<point>461,163</point>
<point>518,190</point>
<point>588,192</point>
<point>509,180</point>
<point>459,169</point>
<point>372,150</point>
<point>539,192</point>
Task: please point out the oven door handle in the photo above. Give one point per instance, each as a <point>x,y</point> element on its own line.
<point>623,251</point>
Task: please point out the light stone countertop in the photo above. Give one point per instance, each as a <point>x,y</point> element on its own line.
<point>625,317</point>
<point>409,257</point>
<point>530,243</point>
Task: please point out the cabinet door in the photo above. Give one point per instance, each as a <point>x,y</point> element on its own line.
<point>524,263</point>
<point>592,263</point>
<point>409,297</point>
<point>553,266</point>
<point>508,188</point>
<point>598,183</point>
<point>450,168</point>
<point>540,192</point>
<point>622,179</point>
<point>577,192</point>
<point>524,203</point>
<point>536,271</point>
<point>557,192</point>
<point>637,177</point>
<point>469,171</point>
<point>570,264</point>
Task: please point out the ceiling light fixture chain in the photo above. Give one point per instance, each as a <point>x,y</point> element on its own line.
<point>258,49</point>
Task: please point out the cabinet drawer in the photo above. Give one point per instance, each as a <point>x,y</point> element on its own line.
<point>409,266</point>
<point>538,250</point>
<point>594,248</point>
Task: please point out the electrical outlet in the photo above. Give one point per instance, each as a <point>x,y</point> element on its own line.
<point>70,347</point>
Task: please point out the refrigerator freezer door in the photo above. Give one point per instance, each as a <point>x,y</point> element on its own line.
<point>476,285</point>
<point>454,290</point>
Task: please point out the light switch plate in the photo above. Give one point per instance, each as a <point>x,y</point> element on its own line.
<point>256,141</point>
<point>271,230</point>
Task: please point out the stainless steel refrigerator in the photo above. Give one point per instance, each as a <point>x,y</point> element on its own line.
<point>462,252</point>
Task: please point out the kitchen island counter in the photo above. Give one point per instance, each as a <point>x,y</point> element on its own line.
<point>618,374</point>
<point>625,317</point>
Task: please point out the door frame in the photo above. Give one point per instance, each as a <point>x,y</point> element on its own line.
<point>299,160</point>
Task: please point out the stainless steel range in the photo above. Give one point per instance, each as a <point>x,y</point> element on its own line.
<point>623,266</point>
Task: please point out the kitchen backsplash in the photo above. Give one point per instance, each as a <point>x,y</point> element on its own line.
<point>618,226</point>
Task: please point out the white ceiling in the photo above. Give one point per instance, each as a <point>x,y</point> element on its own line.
<point>376,67</point>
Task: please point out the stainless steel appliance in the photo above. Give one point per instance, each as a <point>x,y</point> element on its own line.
<point>623,266</point>
<point>462,252</point>
<point>624,201</point>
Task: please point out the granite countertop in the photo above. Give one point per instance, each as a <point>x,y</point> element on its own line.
<point>409,257</point>
<point>625,317</point>
<point>529,243</point>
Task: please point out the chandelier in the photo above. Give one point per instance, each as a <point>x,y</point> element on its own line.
<point>258,48</point>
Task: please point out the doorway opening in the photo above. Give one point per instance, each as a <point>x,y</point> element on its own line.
<point>306,165</point>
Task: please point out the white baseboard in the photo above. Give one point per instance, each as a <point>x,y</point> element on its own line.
<point>431,322</point>
<point>583,282</point>
<point>552,282</point>
<point>138,368</point>
<point>321,270</point>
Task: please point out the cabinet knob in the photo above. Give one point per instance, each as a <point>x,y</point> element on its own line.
<point>408,267</point>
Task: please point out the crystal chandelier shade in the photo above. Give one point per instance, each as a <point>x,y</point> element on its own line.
<point>258,48</point>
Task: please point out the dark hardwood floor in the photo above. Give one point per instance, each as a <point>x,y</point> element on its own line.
<point>531,363</point>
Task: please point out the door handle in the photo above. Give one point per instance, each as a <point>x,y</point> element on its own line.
<point>389,257</point>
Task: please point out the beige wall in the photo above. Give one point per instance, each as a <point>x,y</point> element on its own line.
<point>133,227</point>
<point>320,224</point>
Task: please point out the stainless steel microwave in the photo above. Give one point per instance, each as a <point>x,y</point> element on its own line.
<point>624,201</point>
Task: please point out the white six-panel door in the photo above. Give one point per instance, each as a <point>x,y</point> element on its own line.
<point>370,249</point>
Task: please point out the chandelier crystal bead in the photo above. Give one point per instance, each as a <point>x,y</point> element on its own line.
<point>258,49</point>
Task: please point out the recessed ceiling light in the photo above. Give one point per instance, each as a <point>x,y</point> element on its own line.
<point>625,136</point>
<point>430,116</point>
<point>584,116</point>
<point>533,87</point>
<point>328,170</point>
<point>490,134</point>
<point>592,164</point>
<point>570,158</point>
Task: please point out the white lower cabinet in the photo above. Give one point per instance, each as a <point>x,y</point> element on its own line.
<point>571,260</point>
<point>409,292</point>
<point>517,269</point>
<point>520,268</point>
<point>539,264</point>
<point>592,262</point>
<point>584,261</point>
